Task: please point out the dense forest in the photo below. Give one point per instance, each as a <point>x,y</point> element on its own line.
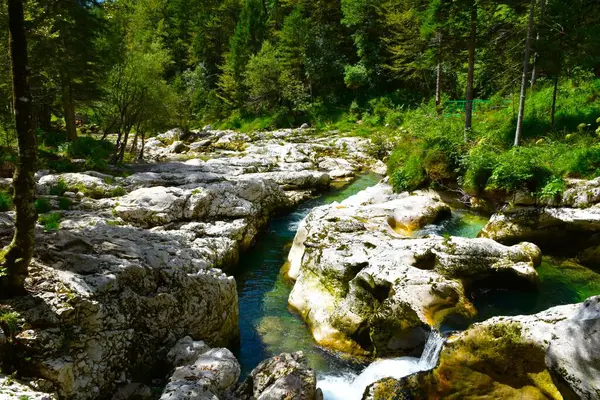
<point>451,84</point>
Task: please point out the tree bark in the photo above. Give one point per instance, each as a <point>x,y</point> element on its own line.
<point>521,116</point>
<point>17,256</point>
<point>554,95</point>
<point>471,74</point>
<point>69,112</point>
<point>537,41</point>
<point>438,85</point>
<point>45,117</point>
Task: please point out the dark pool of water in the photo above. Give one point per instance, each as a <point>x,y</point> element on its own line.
<point>267,327</point>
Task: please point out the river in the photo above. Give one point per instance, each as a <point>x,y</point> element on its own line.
<point>268,327</point>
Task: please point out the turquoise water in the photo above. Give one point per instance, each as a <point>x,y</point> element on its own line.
<point>267,327</point>
<point>561,282</point>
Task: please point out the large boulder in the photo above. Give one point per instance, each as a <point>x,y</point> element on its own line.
<point>365,286</point>
<point>286,376</point>
<point>90,184</point>
<point>14,389</point>
<point>553,354</point>
<point>210,376</point>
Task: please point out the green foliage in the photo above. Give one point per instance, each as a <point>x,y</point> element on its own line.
<point>64,203</point>
<point>9,320</point>
<point>6,201</point>
<point>60,188</point>
<point>50,221</point>
<point>42,205</point>
<point>554,188</point>
<point>355,76</point>
<point>519,169</point>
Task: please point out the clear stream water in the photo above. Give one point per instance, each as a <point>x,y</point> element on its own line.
<point>268,327</point>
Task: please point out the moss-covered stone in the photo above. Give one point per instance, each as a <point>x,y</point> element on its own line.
<point>492,361</point>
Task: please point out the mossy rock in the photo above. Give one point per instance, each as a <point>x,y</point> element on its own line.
<point>488,361</point>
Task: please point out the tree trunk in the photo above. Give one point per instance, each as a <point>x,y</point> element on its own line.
<point>17,256</point>
<point>69,111</point>
<point>438,85</point>
<point>554,95</point>
<point>45,117</point>
<point>471,74</point>
<point>537,41</point>
<point>519,131</point>
<point>141,155</point>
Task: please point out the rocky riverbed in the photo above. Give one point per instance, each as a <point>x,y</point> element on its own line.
<point>125,266</point>
<point>131,293</point>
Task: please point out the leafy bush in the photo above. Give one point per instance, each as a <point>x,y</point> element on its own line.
<point>410,176</point>
<point>42,205</point>
<point>88,148</point>
<point>583,162</point>
<point>380,146</point>
<point>6,201</point>
<point>64,203</point>
<point>50,221</point>
<point>554,188</point>
<point>60,188</point>
<point>479,165</point>
<point>520,169</point>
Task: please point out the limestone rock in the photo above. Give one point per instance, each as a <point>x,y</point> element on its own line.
<point>559,230</point>
<point>170,136</point>
<point>286,376</point>
<point>133,391</point>
<point>186,351</point>
<point>91,184</point>
<point>366,286</point>
<point>211,375</point>
<point>574,351</point>
<point>136,264</point>
<point>178,147</point>
<point>557,358</point>
<point>14,389</point>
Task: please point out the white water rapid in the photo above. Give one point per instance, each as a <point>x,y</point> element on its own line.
<point>349,386</point>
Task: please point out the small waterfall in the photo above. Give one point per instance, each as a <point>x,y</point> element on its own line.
<point>431,352</point>
<point>349,386</point>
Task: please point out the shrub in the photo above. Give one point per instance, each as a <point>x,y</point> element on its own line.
<point>60,188</point>
<point>583,161</point>
<point>6,201</point>
<point>50,221</point>
<point>380,146</point>
<point>42,205</point>
<point>64,203</point>
<point>88,148</point>
<point>479,165</point>
<point>410,176</point>
<point>520,169</point>
<point>554,188</point>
